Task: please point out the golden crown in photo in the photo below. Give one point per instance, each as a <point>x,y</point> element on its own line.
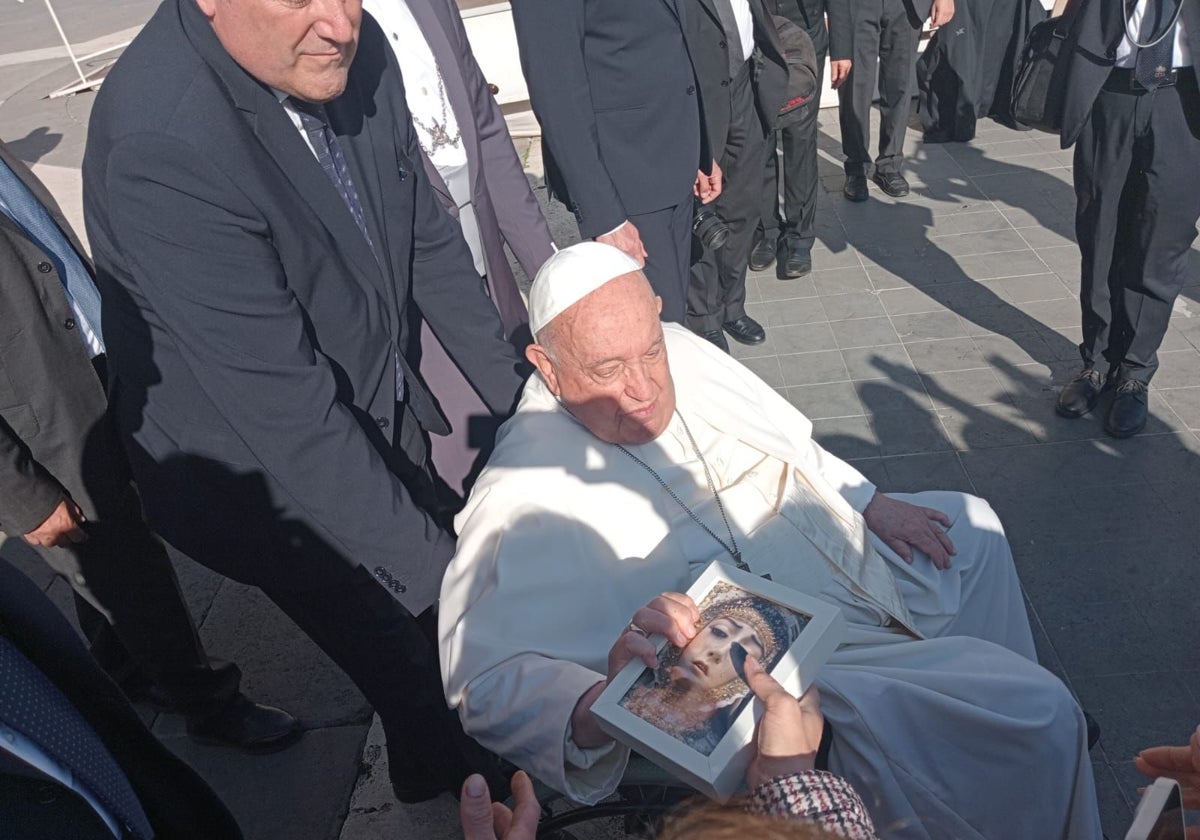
<point>776,627</point>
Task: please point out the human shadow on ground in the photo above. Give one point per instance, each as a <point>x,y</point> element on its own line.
<point>35,145</point>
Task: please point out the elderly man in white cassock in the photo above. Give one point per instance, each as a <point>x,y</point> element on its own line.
<point>639,454</point>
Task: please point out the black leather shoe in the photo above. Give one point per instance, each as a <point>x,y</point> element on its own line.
<point>855,187</point>
<point>762,252</point>
<point>746,330</point>
<point>247,726</point>
<point>717,337</point>
<point>796,263</point>
<point>892,183</point>
<point>1128,413</point>
<point>1079,396</point>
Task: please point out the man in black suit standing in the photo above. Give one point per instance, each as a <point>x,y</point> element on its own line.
<point>65,483</point>
<point>788,235</point>
<point>1132,109</point>
<point>266,237</point>
<point>612,84</point>
<point>743,77</point>
<point>886,34</point>
<point>76,761</point>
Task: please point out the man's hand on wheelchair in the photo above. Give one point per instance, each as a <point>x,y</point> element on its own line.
<point>483,819</point>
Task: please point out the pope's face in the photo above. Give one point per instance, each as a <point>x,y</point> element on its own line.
<point>706,661</point>
<point>301,47</point>
<point>609,366</point>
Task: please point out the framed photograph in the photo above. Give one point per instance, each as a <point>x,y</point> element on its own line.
<point>694,715</point>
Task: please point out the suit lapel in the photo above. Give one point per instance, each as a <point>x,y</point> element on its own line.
<point>675,7</point>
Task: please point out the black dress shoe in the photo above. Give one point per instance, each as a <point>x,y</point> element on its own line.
<point>717,337</point>
<point>762,252</point>
<point>245,725</point>
<point>1079,396</point>
<point>855,187</point>
<point>797,263</point>
<point>1128,413</point>
<point>746,330</point>
<point>892,183</point>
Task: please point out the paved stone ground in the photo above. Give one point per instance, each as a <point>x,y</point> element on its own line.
<point>927,346</point>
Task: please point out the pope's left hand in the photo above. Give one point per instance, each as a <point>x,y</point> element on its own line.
<point>904,527</point>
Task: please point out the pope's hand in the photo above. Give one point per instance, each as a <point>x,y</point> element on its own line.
<point>671,614</point>
<point>904,527</point>
<point>789,731</point>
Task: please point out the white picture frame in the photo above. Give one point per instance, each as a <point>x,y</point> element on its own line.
<point>720,773</point>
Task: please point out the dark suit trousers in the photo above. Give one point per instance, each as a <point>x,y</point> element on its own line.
<point>390,654</point>
<point>800,174</point>
<point>885,46</point>
<point>1137,191</point>
<point>667,236</point>
<point>717,292</point>
<point>133,613</point>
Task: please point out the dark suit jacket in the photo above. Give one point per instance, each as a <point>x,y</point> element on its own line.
<point>179,805</point>
<point>613,86</point>
<point>253,335</point>
<point>1094,31</point>
<point>837,39</point>
<point>53,427</point>
<point>497,181</point>
<point>710,51</point>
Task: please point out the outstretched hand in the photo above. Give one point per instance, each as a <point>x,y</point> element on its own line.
<point>1179,763</point>
<point>789,732</point>
<point>903,527</point>
<point>483,819</point>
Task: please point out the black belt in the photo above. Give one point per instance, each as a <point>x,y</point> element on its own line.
<point>1124,80</point>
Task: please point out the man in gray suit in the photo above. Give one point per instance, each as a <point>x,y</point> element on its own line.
<point>476,175</point>
<point>65,484</point>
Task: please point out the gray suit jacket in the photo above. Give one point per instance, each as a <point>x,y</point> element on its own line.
<point>497,177</point>
<point>497,181</point>
<point>55,439</point>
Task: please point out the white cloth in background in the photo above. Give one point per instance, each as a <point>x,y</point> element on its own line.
<point>956,735</point>
<point>425,93</point>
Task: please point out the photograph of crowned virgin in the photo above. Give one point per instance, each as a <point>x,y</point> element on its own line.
<point>697,691</point>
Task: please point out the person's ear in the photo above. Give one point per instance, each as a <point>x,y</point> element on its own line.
<point>540,359</point>
<point>658,303</point>
<point>209,7</point>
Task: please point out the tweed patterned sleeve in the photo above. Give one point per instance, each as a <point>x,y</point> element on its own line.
<point>818,797</point>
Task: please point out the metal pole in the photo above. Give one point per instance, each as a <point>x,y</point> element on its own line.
<point>66,43</point>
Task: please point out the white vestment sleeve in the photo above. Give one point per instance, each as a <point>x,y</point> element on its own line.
<point>534,697</point>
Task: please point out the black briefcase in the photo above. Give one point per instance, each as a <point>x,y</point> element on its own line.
<point>1037,95</point>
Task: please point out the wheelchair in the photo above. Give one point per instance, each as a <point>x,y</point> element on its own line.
<point>645,795</point>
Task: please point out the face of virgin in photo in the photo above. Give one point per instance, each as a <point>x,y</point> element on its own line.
<point>706,662</point>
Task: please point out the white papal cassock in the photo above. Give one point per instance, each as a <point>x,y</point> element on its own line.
<point>943,720</point>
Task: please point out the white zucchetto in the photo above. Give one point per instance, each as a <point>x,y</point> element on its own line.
<point>572,274</point>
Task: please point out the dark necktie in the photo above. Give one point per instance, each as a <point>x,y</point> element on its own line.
<point>33,706</point>
<point>1152,65</point>
<point>732,36</point>
<point>329,153</point>
<point>324,142</point>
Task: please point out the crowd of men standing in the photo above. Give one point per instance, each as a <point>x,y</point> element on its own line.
<point>300,328</point>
